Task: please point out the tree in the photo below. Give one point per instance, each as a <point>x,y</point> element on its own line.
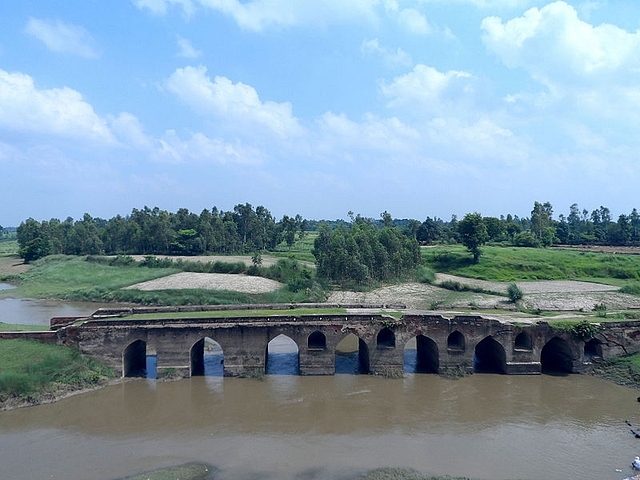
<point>542,223</point>
<point>473,234</point>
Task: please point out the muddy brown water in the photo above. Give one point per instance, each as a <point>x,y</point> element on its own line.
<point>336,427</point>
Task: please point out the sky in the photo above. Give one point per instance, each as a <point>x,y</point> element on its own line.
<point>318,107</point>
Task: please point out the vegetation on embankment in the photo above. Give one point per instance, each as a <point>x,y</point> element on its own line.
<point>33,372</point>
<point>623,371</point>
<point>511,264</point>
<point>103,279</point>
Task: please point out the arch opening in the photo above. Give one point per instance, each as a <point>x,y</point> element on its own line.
<point>523,341</point>
<point>386,338</point>
<point>421,355</point>
<point>207,358</point>
<point>455,341</point>
<point>282,356</point>
<point>134,360</point>
<point>317,341</point>
<point>490,357</point>
<point>352,356</point>
<point>556,357</point>
<point>593,350</point>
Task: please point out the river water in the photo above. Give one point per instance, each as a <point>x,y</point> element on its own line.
<point>329,428</point>
<point>290,427</point>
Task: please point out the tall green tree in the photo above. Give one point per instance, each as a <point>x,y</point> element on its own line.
<point>473,234</point>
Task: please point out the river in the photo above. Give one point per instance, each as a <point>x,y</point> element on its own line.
<point>286,427</point>
<point>290,427</point>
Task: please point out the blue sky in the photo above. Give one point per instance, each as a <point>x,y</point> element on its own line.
<point>318,107</point>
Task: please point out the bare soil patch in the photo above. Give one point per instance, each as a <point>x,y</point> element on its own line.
<point>210,281</point>
<point>553,295</point>
<point>12,265</point>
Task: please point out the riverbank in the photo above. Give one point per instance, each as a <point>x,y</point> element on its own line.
<point>34,373</point>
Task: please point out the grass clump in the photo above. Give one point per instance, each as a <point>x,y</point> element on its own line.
<point>32,369</point>
<point>403,474</point>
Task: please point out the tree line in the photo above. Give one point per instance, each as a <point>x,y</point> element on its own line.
<point>159,232</point>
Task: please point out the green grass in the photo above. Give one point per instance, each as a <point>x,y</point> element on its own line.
<point>511,264</point>
<point>31,368</point>
<point>237,313</point>
<point>73,278</point>
<point>621,370</point>
<point>9,247</point>
<point>10,327</point>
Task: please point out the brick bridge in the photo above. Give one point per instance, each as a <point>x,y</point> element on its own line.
<point>468,342</point>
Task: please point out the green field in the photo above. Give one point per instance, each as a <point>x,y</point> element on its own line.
<point>512,264</point>
<point>31,369</point>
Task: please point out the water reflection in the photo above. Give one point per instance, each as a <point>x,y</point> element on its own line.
<point>282,356</point>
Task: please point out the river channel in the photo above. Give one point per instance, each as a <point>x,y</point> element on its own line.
<point>330,428</point>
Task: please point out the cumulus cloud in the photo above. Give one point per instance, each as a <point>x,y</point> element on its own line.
<point>553,45</point>
<point>392,58</point>
<point>237,103</point>
<point>187,50</point>
<point>56,111</point>
<point>427,89</point>
<point>62,37</point>
<point>414,21</point>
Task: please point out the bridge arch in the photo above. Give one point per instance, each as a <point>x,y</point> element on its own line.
<point>386,338</point>
<point>556,357</point>
<point>490,357</point>
<point>523,341</point>
<point>317,341</point>
<point>282,356</point>
<point>207,358</point>
<point>352,355</point>
<point>134,359</point>
<point>421,356</point>
<point>456,341</point>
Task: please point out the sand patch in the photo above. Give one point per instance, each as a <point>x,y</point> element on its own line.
<point>210,281</point>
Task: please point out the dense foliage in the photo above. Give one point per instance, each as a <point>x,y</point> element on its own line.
<point>158,232</point>
<point>363,252</point>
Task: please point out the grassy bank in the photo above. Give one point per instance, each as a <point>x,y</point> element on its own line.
<point>91,279</point>
<point>623,371</point>
<point>511,264</point>
<point>34,371</point>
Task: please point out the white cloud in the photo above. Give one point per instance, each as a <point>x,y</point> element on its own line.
<point>200,149</point>
<point>414,21</point>
<point>237,103</point>
<point>491,4</point>
<point>391,58</point>
<point>57,111</point>
<point>62,37</point>
<point>160,7</point>
<point>553,45</point>
<point>187,50</point>
<point>259,15</point>
<point>130,131</point>
<point>428,90</point>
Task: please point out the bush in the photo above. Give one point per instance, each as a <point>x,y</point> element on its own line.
<point>514,292</point>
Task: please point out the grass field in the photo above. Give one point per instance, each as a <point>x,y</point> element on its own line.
<point>511,264</point>
<point>30,369</point>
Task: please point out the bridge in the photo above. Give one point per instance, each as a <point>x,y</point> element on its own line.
<point>464,343</point>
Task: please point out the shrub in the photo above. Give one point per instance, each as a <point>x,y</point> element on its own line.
<point>514,292</point>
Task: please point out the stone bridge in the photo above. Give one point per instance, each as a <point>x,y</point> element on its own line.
<point>469,343</point>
